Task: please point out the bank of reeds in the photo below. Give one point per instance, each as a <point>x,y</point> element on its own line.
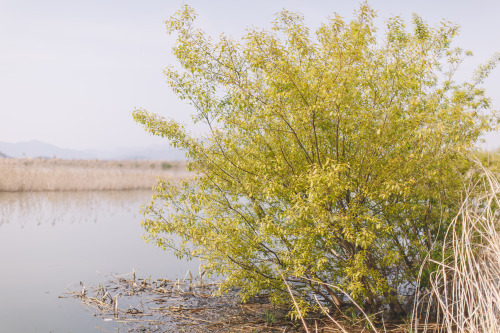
<point>29,174</point>
<point>464,296</point>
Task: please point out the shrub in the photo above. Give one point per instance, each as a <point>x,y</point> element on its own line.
<point>166,165</point>
<point>330,158</point>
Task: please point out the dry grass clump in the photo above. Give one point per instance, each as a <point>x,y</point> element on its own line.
<point>465,288</point>
<point>29,174</point>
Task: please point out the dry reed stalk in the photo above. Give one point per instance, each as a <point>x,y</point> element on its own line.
<point>465,288</point>
<point>84,175</point>
<point>325,311</point>
<point>295,303</point>
<point>367,318</point>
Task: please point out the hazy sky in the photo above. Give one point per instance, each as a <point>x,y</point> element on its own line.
<point>72,71</point>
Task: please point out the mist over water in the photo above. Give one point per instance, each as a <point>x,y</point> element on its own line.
<point>52,241</point>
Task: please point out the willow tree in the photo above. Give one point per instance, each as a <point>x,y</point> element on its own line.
<point>332,161</point>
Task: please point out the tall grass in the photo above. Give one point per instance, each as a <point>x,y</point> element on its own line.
<point>464,293</point>
<point>83,175</point>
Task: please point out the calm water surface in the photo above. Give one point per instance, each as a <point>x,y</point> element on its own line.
<point>50,242</point>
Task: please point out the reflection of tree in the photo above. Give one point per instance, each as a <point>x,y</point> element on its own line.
<point>25,208</point>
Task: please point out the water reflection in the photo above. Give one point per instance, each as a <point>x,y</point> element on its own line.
<point>52,241</point>
<point>69,207</point>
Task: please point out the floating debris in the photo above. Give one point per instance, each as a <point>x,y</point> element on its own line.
<point>191,305</point>
<point>188,305</point>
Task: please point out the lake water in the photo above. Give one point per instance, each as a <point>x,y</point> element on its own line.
<point>50,242</point>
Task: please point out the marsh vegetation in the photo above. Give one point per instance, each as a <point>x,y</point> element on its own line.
<point>338,181</point>
<point>29,174</point>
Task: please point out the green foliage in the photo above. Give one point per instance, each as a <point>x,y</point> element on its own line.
<point>166,165</point>
<point>330,157</point>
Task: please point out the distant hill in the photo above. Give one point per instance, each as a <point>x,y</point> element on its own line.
<point>44,150</point>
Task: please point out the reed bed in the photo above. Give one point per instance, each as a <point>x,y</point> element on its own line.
<point>465,288</point>
<point>29,174</point>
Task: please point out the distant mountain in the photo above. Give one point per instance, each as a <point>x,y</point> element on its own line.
<point>45,150</point>
<point>39,149</point>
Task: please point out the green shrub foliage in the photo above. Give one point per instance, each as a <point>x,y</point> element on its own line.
<point>329,158</point>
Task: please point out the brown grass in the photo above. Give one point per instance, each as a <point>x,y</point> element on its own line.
<point>29,174</point>
<point>465,287</point>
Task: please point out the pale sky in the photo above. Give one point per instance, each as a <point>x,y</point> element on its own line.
<point>72,71</point>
